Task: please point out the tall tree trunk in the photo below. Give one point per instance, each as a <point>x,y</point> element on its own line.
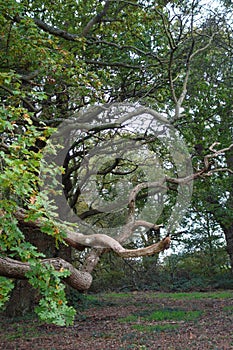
<point>223,214</point>
<point>23,297</point>
<point>229,240</point>
<point>227,225</point>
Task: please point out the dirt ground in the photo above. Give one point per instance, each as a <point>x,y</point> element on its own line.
<point>120,323</point>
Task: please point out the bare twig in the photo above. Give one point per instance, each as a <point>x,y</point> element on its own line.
<point>214,154</point>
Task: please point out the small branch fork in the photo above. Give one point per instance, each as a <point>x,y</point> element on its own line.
<point>178,97</point>
<point>215,153</point>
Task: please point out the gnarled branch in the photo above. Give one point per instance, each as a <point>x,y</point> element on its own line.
<point>79,280</point>
<point>106,242</point>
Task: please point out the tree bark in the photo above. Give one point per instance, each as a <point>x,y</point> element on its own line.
<point>228,231</point>
<point>22,301</point>
<point>18,269</point>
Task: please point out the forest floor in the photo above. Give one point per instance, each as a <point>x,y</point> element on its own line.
<point>137,320</point>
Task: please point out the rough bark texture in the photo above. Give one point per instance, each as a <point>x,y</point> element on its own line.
<point>79,279</point>
<point>229,240</point>
<point>18,269</point>
<point>22,301</point>
<point>224,214</point>
<point>228,230</point>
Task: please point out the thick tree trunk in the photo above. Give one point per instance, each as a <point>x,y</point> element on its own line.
<point>224,214</point>
<point>226,223</point>
<point>22,301</point>
<point>23,297</point>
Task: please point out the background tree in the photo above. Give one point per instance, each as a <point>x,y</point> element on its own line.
<point>209,118</point>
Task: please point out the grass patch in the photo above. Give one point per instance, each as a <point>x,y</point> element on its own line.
<point>162,315</point>
<point>155,328</point>
<point>228,308</point>
<point>91,298</point>
<point>173,315</point>
<point>129,318</point>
